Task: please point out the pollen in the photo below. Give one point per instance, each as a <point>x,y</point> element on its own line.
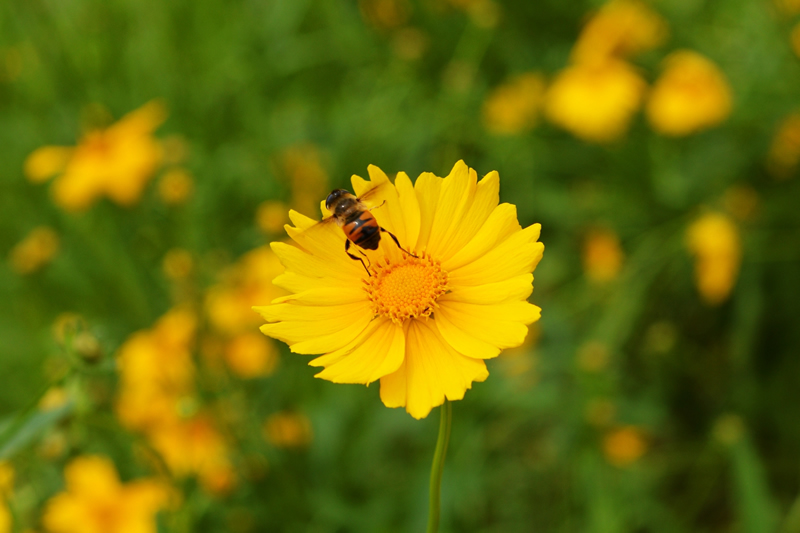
<point>407,288</point>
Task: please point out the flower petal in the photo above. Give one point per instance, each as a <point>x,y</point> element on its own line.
<point>378,351</point>
<point>475,215</point>
<point>327,242</point>
<point>409,204</point>
<point>428,187</point>
<point>325,296</point>
<point>513,289</point>
<point>501,223</point>
<point>431,371</point>
<point>47,161</point>
<point>458,190</point>
<point>294,324</point>
<point>517,255</point>
<point>301,262</point>
<point>482,331</point>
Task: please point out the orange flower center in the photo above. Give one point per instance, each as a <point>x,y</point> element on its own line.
<point>407,288</point>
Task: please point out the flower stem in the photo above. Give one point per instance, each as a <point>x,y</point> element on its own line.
<point>438,466</point>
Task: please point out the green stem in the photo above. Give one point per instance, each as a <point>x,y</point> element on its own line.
<point>438,466</point>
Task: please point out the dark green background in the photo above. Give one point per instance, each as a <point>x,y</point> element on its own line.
<point>244,80</point>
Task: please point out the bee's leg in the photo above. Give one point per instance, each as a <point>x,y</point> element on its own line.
<point>396,241</point>
<point>355,257</point>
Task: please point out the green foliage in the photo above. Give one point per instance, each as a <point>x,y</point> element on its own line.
<point>243,82</point>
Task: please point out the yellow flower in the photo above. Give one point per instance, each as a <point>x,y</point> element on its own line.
<point>714,240</point>
<point>228,304</point>
<point>5,518</point>
<point>385,14</point>
<point>195,447</point>
<point>593,356</point>
<point>36,250</point>
<point>250,355</point>
<point>175,186</point>
<point>624,446</point>
<point>692,94</point>
<point>784,153</point>
<point>6,479</point>
<point>602,256</point>
<point>741,201</point>
<point>271,216</point>
<point>288,430</point>
<point>303,166</point>
<point>424,323</point>
<point>790,7</point>
<point>6,486</point>
<point>621,28</point>
<point>483,13</point>
<point>116,162</point>
<point>177,264</point>
<point>513,107</point>
<point>96,502</point>
<point>595,101</point>
<point>54,398</point>
<point>156,371</point>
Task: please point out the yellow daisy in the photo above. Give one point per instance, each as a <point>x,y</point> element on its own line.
<point>422,322</point>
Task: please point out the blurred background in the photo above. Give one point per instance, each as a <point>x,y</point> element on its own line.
<point>151,150</point>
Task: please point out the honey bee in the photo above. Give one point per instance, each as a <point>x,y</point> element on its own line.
<point>357,222</point>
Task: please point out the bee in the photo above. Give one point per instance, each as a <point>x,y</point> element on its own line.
<point>357,222</point>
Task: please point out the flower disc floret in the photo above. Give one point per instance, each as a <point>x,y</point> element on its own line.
<point>407,288</point>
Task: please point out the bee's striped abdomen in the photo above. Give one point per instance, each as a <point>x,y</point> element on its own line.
<point>363,230</point>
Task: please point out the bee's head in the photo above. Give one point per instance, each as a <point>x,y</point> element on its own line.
<point>334,197</point>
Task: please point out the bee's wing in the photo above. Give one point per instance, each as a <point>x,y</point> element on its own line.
<point>373,196</point>
<point>309,234</point>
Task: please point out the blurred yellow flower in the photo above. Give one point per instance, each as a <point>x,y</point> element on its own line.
<point>385,14</point>
<point>34,251</point>
<point>714,240</point>
<point>621,28</point>
<point>593,356</point>
<point>513,107</point>
<point>157,397</point>
<point>409,43</point>
<point>288,430</point>
<point>6,479</point>
<point>595,101</point>
<point>692,94</point>
<point>784,152</point>
<point>600,412</point>
<point>251,355</point>
<point>602,256</point>
<point>156,372</point>
<point>624,446</point>
<point>54,398</point>
<point>195,447</point>
<point>116,162</point>
<point>741,201</point>
<point>176,149</point>
<point>5,518</point>
<point>229,303</point>
<point>522,359</point>
<point>175,186</point>
<point>96,502</point>
<point>790,7</point>
<point>6,486</point>
<point>177,264</point>
<point>482,13</point>
<point>309,180</point>
<point>728,429</point>
<point>271,217</point>
<point>424,323</point>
